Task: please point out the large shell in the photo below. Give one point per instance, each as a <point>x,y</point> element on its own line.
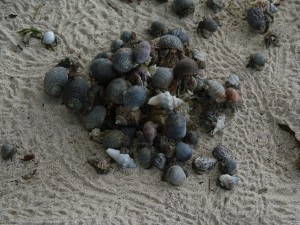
<point>134,97</point>
<point>142,52</point>
<point>150,131</point>
<point>228,166</point>
<point>169,41</point>
<point>228,181</point>
<point>183,7</point>
<point>175,175</point>
<point>166,101</point>
<point>216,90</point>
<point>158,29</point>
<point>127,117</point>
<point>123,60</point>
<point>162,78</point>
<point>182,34</point>
<point>176,126</point>
<point>95,118</point>
<point>183,152</point>
<point>115,90</point>
<point>7,151</point>
<point>185,67</point>
<point>145,157</point>
<point>257,19</point>
<point>102,71</point>
<point>201,165</point>
<point>55,80</point>
<point>114,139</point>
<point>75,94</point>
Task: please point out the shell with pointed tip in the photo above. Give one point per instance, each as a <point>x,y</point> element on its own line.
<point>216,90</point>
<point>166,101</point>
<point>158,29</point>
<point>219,125</point>
<point>123,160</point>
<point>142,52</point>
<point>162,78</point>
<point>95,118</point>
<point>134,97</point>
<point>123,60</point>
<point>116,44</point>
<point>199,57</point>
<point>48,38</point>
<point>175,175</point>
<point>183,7</point>
<point>115,90</point>
<point>203,164</point>
<point>228,166</point>
<point>221,152</point>
<point>75,94</point>
<point>228,181</point>
<point>55,80</point>
<point>127,117</point>
<point>150,131</point>
<point>169,41</point>
<point>182,34</point>
<point>160,161</point>
<point>176,126</point>
<point>185,67</point>
<point>7,151</point>
<point>145,157</point>
<point>114,139</point>
<point>102,71</point>
<point>183,152</point>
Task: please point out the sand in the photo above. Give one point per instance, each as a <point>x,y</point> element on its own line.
<point>66,190</point>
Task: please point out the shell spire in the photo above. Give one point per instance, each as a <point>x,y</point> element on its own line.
<point>166,101</point>
<point>123,160</point>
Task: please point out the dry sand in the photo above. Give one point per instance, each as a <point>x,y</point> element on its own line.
<point>66,190</point>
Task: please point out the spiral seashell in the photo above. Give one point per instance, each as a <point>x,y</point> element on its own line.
<point>182,34</point>
<point>175,175</point>
<point>183,7</point>
<point>158,29</point>
<point>75,94</point>
<point>116,44</point>
<point>48,38</point>
<point>219,125</point>
<point>166,101</point>
<point>169,41</point>
<point>176,126</point>
<point>7,151</point>
<point>134,97</point>
<point>123,60</point>
<point>228,166</point>
<point>199,57</point>
<point>127,117</point>
<point>102,71</point>
<point>201,165</point>
<point>123,160</point>
<point>145,157</point>
<point>55,80</point>
<point>162,78</point>
<point>233,81</point>
<point>114,139</point>
<point>183,152</point>
<point>115,90</point>
<point>95,118</point>
<point>160,161</point>
<point>221,152</point>
<point>142,52</point>
<point>150,131</point>
<point>228,181</point>
<point>216,90</point>
<point>185,67</point>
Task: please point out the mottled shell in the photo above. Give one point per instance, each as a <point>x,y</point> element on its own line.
<point>102,71</point>
<point>150,131</point>
<point>257,19</point>
<point>7,151</point>
<point>216,90</point>
<point>116,44</point>
<point>183,7</point>
<point>183,152</point>
<point>208,24</point>
<point>169,41</point>
<point>55,80</point>
<point>114,139</point>
<point>175,175</point>
<point>142,52</point>
<point>166,101</point>
<point>228,166</point>
<point>115,90</point>
<point>162,78</point>
<point>228,181</point>
<point>201,165</point>
<point>158,29</point>
<point>95,118</point>
<point>232,95</point>
<point>48,38</point>
<point>123,60</point>
<point>145,157</point>
<point>160,161</point>
<point>221,152</point>
<point>127,117</point>
<point>176,126</point>
<point>182,34</point>
<point>134,97</point>
<point>191,137</point>
<point>75,94</point>
<point>185,67</point>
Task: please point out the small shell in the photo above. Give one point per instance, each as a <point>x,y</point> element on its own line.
<point>123,60</point>
<point>228,166</point>
<point>199,57</point>
<point>95,118</point>
<point>123,160</point>
<point>75,94</point>
<point>142,52</point>
<point>158,29</point>
<point>127,117</point>
<point>100,165</point>
<point>176,126</point>
<point>233,81</point>
<point>55,80</point>
<point>216,90</point>
<point>208,24</point>
<point>175,175</point>
<point>182,34</point>
<point>145,157</point>
<point>169,41</point>
<point>191,137</point>
<point>150,131</point>
<point>114,139</point>
<point>185,67</point>
<point>134,97</point>
<point>228,181</point>
<point>160,161</point>
<point>216,5</point>
<point>102,71</point>
<point>183,7</point>
<point>183,152</point>
<point>257,61</point>
<point>7,151</point>
<point>48,38</point>
<point>115,90</point>
<point>221,152</point>
<point>105,55</point>
<point>219,125</point>
<point>162,78</point>
<point>127,36</point>
<point>232,95</point>
<point>116,44</point>
<point>166,101</point>
<point>203,164</point>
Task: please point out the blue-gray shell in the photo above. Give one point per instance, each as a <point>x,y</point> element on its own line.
<point>162,78</point>
<point>102,71</point>
<point>176,126</point>
<point>114,139</point>
<point>183,152</point>
<point>116,44</point>
<point>142,52</point>
<point>169,41</point>
<point>115,90</point>
<point>95,118</point>
<point>182,34</point>
<point>134,97</point>
<point>175,175</point>
<point>123,60</point>
<point>55,80</point>
<point>145,157</point>
<point>7,151</point>
<point>228,166</point>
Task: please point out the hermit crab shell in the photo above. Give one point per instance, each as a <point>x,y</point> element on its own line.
<point>158,29</point>
<point>256,19</point>
<point>183,7</point>
<point>183,152</point>
<point>116,44</point>
<point>221,152</point>
<point>160,161</point>
<point>201,165</point>
<point>123,60</point>
<point>228,166</point>
<point>169,41</point>
<point>127,117</point>
<point>228,181</point>
<point>162,78</point>
<point>185,67</point>
<point>142,52</point>
<point>232,95</point>
<point>95,118</point>
<point>199,57</point>
<point>134,97</point>
<point>7,151</point>
<point>145,157</point>
<point>166,101</point>
<point>48,38</point>
<point>75,94</point>
<point>149,130</point>
<point>55,80</point>
<point>115,90</point>
<point>102,71</point>
<point>175,175</point>
<point>216,90</point>
<point>182,34</point>
<point>176,126</point>
<point>114,139</point>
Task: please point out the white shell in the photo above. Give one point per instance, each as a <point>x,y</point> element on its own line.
<point>166,101</point>
<point>216,90</point>
<point>123,160</point>
<point>198,55</point>
<point>219,125</point>
<point>233,80</point>
<point>228,181</point>
<point>48,38</point>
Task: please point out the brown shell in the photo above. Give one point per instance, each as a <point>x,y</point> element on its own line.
<point>185,67</point>
<point>232,95</point>
<point>127,117</point>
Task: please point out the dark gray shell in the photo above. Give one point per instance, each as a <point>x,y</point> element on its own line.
<point>134,97</point>
<point>114,139</point>
<point>160,161</point>
<point>7,151</point>
<point>191,137</point>
<point>116,44</point>
<point>182,34</point>
<point>102,71</point>
<point>209,24</point>
<point>259,59</point>
<point>104,54</point>
<point>176,126</point>
<point>55,80</point>
<point>228,166</point>
<point>185,67</point>
<point>221,152</point>
<point>142,52</point>
<point>145,157</point>
<point>158,29</point>
<point>183,7</point>
<point>169,41</point>
<point>257,19</point>
<point>127,36</point>
<point>127,117</point>
<point>75,94</point>
<point>162,78</point>
<point>123,60</point>
<point>183,152</point>
<point>175,175</point>
<point>95,118</point>
<point>115,90</point>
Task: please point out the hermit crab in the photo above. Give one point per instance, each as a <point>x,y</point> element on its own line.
<point>259,19</point>
<point>207,26</point>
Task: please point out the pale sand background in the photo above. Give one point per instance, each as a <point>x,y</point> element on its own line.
<point>65,189</point>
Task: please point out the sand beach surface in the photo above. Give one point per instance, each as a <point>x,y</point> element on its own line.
<point>64,189</point>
